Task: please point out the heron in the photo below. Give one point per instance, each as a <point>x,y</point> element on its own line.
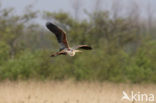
<point>62,40</point>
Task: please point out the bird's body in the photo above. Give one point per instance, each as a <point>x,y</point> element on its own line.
<point>71,52</point>
<point>61,38</point>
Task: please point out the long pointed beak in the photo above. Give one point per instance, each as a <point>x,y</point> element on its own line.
<point>78,51</point>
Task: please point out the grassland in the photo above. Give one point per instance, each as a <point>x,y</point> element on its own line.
<point>68,92</point>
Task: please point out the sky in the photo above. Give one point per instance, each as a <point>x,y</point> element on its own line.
<point>68,5</point>
<point>48,5</point>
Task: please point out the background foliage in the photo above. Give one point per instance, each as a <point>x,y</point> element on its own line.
<point>124,51</point>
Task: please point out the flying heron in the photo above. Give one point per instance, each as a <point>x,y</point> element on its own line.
<point>62,40</point>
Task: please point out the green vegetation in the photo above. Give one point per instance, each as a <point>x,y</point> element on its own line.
<point>123,50</point>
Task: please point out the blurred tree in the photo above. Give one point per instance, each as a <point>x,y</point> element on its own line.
<point>121,52</point>
<point>12,27</point>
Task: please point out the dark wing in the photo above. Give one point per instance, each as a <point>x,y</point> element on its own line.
<point>59,53</point>
<point>60,35</point>
<point>86,47</point>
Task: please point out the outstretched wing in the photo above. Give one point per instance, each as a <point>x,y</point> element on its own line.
<point>86,47</point>
<point>60,35</point>
<point>59,53</point>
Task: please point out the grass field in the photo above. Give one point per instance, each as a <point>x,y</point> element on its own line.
<point>68,92</point>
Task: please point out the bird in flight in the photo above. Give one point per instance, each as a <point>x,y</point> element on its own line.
<point>62,40</point>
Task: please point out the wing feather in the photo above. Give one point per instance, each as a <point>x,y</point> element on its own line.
<point>86,47</point>
<point>59,53</point>
<point>59,33</point>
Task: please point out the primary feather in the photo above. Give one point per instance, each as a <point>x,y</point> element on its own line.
<point>59,33</point>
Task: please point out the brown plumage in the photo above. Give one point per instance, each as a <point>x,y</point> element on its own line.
<point>62,40</point>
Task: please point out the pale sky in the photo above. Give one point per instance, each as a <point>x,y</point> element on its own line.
<point>48,5</point>
<point>67,5</point>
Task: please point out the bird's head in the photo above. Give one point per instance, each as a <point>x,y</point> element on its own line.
<point>72,52</point>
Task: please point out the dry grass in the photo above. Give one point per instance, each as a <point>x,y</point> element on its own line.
<point>67,92</point>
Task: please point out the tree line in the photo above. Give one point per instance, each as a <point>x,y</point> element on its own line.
<point>123,50</point>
